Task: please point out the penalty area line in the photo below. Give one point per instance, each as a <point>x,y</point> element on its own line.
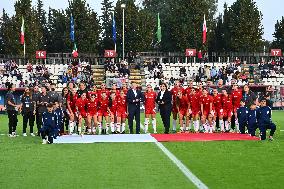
<point>196,181</point>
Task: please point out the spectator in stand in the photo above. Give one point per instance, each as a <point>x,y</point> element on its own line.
<point>213,74</point>
<point>251,71</point>
<point>199,56</point>
<point>30,67</point>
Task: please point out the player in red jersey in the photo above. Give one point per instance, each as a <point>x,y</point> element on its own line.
<point>174,92</point>
<point>81,112</point>
<point>112,109</point>
<point>103,89</point>
<point>124,88</point>
<point>218,107</point>
<point>92,106</point>
<point>150,106</point>
<point>121,112</point>
<point>95,91</point>
<point>189,87</point>
<point>227,110</point>
<point>71,108</point>
<point>200,89</point>
<point>237,96</point>
<point>194,101</point>
<point>182,106</point>
<point>206,106</point>
<point>114,89</point>
<point>102,112</point>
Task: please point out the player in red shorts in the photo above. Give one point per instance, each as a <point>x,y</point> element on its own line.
<point>102,112</point>
<point>81,104</point>
<point>194,101</point>
<point>150,106</point>
<point>182,107</point>
<point>174,92</point>
<point>237,96</point>
<point>218,107</point>
<point>206,106</point>
<point>71,108</point>
<point>121,112</point>
<point>112,109</point>
<point>227,110</point>
<point>92,106</point>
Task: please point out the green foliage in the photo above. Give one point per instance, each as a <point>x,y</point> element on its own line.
<point>240,29</point>
<point>279,34</point>
<point>181,21</point>
<point>139,27</point>
<point>106,18</point>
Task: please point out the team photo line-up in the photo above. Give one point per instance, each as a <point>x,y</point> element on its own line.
<point>197,108</point>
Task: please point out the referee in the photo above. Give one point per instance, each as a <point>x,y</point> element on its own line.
<point>12,109</point>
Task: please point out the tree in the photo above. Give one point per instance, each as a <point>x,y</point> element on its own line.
<point>41,19</point>
<point>87,27</point>
<point>139,27</point>
<point>244,23</point>
<point>181,21</point>
<point>278,42</point>
<point>106,18</point>
<point>57,32</point>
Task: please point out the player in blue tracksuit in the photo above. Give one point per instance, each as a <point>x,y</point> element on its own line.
<point>49,122</point>
<point>242,113</point>
<point>252,121</point>
<point>264,120</point>
<point>59,113</point>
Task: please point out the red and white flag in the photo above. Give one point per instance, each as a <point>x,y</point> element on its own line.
<point>204,31</point>
<point>23,32</point>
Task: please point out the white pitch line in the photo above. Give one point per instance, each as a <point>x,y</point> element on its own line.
<point>196,181</point>
<point>281,130</point>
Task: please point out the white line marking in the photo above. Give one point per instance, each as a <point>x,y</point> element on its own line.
<point>281,130</point>
<point>198,183</point>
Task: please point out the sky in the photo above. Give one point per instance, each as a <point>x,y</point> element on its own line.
<point>271,10</point>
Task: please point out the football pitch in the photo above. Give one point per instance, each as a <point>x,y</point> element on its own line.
<point>26,163</point>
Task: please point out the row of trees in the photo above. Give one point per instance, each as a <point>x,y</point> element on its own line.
<point>237,29</point>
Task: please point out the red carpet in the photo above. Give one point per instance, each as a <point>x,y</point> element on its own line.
<point>202,137</point>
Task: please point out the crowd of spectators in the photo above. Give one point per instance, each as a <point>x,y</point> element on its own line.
<point>118,70</point>
<point>271,68</point>
<point>154,68</point>
<point>11,73</point>
<point>76,72</point>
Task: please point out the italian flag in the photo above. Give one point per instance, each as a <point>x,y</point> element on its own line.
<point>75,51</point>
<point>23,32</point>
<point>204,31</point>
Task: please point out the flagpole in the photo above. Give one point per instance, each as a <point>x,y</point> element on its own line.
<point>24,50</point>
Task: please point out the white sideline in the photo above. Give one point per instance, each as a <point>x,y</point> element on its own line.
<point>198,183</point>
<point>281,130</point>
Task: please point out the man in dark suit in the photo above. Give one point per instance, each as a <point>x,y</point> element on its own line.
<point>134,97</point>
<point>164,100</point>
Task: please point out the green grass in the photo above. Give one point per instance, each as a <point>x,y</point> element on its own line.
<point>25,163</point>
<point>239,164</point>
